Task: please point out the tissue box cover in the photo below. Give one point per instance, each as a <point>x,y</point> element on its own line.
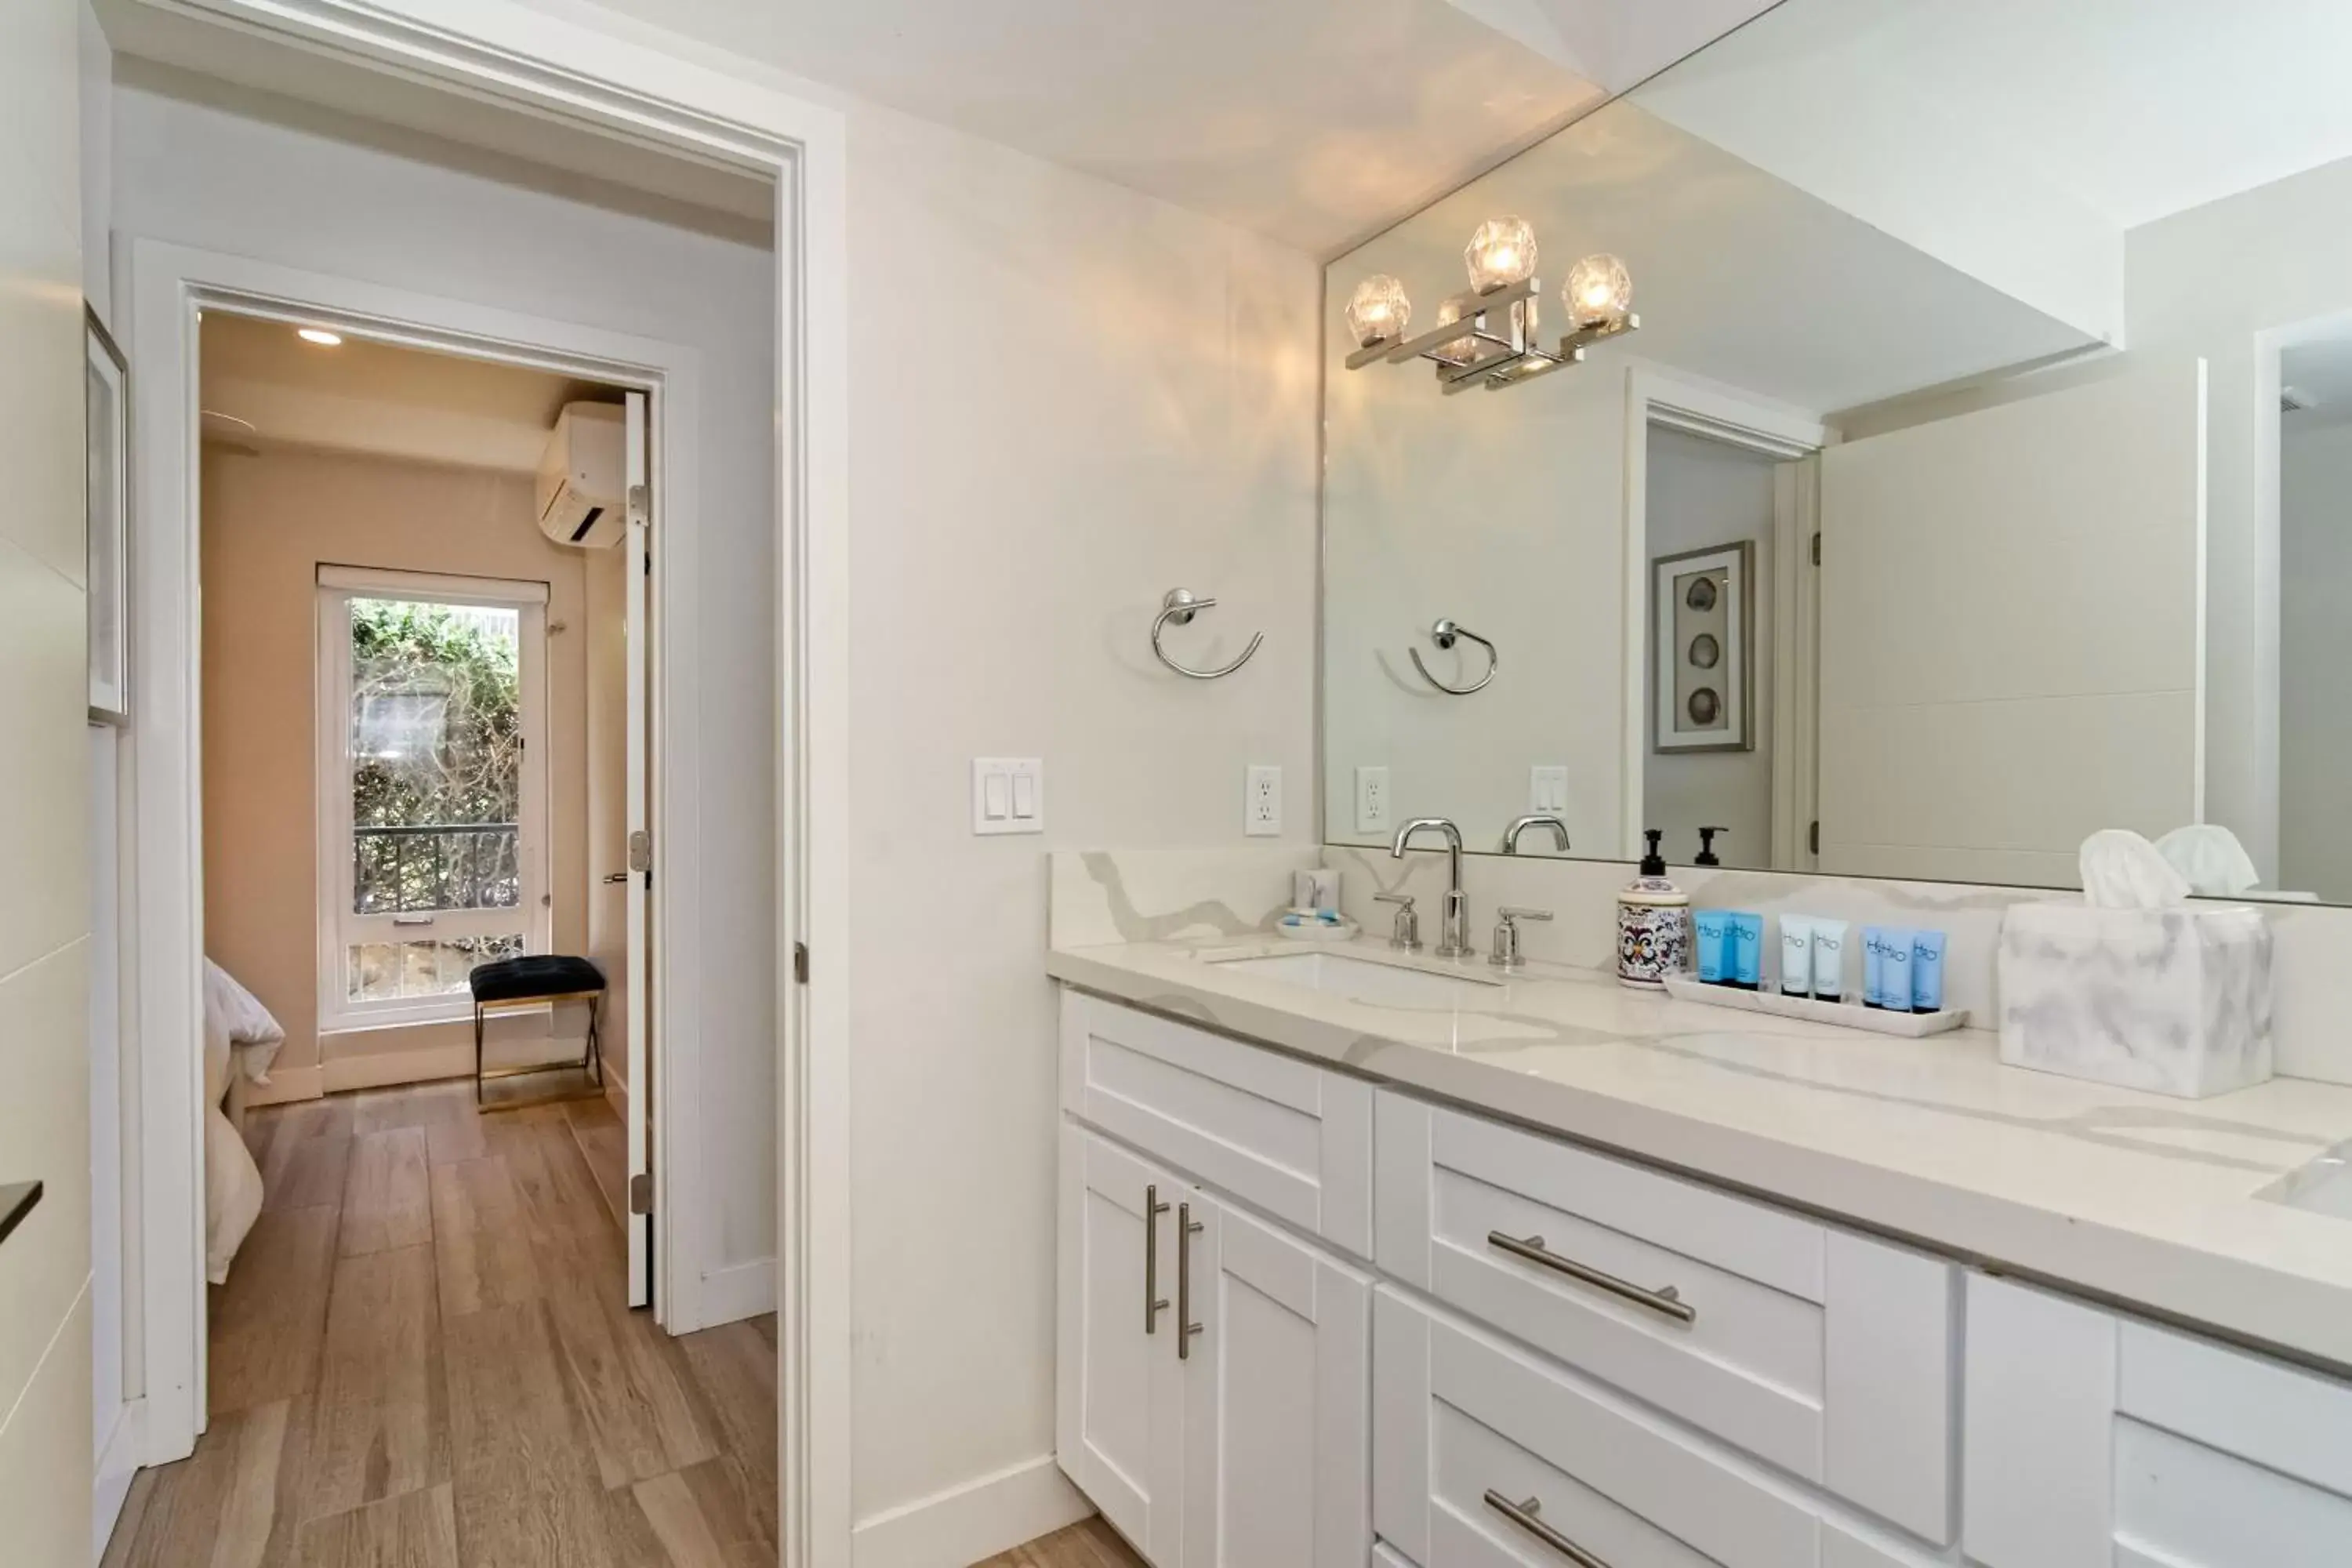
<point>2176,1001</point>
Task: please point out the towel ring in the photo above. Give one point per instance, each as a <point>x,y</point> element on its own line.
<point>1179,606</point>
<point>1444,635</point>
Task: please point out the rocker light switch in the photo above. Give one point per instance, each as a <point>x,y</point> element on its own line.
<point>1008,794</point>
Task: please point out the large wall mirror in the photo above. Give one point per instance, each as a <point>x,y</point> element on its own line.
<point>1968,469</point>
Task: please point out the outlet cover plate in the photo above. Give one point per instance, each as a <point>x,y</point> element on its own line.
<point>1261,802</point>
<point>1372,799</point>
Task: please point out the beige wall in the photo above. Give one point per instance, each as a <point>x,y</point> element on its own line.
<point>269,522</point>
<point>45,913</point>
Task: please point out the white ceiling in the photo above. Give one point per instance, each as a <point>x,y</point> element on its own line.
<point>2139,108</point>
<point>1313,121</point>
<point>376,399</point>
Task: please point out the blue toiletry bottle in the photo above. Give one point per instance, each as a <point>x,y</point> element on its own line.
<point>1895,980</point>
<point>1713,927</point>
<point>1873,967</point>
<point>1927,972</point>
<point>1747,951</point>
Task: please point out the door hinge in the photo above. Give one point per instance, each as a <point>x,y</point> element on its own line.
<point>1817,548</point>
<point>800,963</point>
<point>1814,839</point>
<point>641,850</point>
<point>641,1194</point>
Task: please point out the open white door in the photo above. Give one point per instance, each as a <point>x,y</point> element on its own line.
<point>2023,580</point>
<point>636,569</point>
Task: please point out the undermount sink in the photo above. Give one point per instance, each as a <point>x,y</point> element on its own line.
<point>1362,979</point>
<point>2322,1187</point>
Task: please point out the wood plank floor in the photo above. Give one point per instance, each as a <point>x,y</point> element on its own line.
<point>421,1361</point>
<point>421,1358</point>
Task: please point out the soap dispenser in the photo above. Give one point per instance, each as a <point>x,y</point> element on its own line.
<point>1706,856</point>
<point>1653,933</point>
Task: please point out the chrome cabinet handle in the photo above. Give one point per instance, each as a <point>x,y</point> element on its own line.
<point>1153,1303</point>
<point>1665,1299</point>
<point>1187,1227</point>
<point>1523,1514</point>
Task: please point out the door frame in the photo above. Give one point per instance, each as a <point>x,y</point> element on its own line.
<point>1714,412</point>
<point>624,86</point>
<point>169,285</point>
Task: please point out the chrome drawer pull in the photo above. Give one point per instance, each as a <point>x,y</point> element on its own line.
<point>1187,1227</point>
<point>1523,1514</point>
<point>1153,1302</point>
<point>1666,1298</point>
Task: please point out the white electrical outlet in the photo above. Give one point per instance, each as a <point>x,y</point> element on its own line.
<point>1261,802</point>
<point>1371,800</point>
<point>1547,790</point>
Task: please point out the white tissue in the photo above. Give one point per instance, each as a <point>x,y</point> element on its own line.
<point>2122,870</point>
<point>2211,858</point>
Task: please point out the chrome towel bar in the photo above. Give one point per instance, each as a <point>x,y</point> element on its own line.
<point>1444,634</point>
<point>1179,606</point>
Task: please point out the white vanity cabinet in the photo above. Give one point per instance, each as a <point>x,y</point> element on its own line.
<point>2094,1438</point>
<point>1309,1323</point>
<point>1213,1370</point>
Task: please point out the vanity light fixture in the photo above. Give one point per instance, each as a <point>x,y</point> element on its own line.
<point>1485,337</point>
<point>319,335</point>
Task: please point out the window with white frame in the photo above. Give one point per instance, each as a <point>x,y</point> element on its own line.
<point>432,738</point>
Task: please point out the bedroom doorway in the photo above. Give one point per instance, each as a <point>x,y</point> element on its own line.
<point>422,678</point>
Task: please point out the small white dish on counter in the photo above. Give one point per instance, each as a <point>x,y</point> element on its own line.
<point>1305,926</point>
<point>1844,1015</point>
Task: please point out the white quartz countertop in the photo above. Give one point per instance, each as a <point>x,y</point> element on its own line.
<point>2141,1199</point>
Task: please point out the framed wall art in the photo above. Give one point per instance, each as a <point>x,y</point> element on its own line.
<point>1700,652</point>
<point>106,381</point>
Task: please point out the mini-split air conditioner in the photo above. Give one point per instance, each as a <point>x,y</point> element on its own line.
<point>580,477</point>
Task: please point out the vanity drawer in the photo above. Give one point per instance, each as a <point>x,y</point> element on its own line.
<point>1826,1353</point>
<point>1283,1135</point>
<point>1463,1423</point>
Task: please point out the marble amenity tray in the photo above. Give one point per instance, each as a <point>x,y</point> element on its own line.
<point>1844,1015</point>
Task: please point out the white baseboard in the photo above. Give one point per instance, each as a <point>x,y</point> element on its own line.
<point>286,1085</point>
<point>977,1519</point>
<point>116,1468</point>
<point>744,1291</point>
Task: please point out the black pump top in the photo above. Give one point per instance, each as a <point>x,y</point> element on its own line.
<point>1653,864</point>
<point>1706,856</point>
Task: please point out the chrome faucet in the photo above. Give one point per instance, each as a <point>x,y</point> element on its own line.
<point>1454,927</point>
<point>1511,834</point>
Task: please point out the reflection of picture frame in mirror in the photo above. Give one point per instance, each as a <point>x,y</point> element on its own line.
<point>1700,648</point>
<point>107,387</point>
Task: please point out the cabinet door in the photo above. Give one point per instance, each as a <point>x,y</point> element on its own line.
<point>1119,1399</point>
<point>1278,1439</point>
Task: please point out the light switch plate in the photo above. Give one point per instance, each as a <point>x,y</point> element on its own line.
<point>1547,790</point>
<point>1008,794</point>
<point>1371,800</point>
<point>1261,802</point>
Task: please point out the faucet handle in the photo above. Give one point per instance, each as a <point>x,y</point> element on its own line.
<point>1406,937</point>
<point>1506,935</point>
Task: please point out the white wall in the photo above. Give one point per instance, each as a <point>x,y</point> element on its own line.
<point>2315,647</point>
<point>1126,403</point>
<point>45,907</point>
<point>288,188</point>
<point>1700,494</point>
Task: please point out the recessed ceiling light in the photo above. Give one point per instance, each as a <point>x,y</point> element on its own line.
<point>319,335</point>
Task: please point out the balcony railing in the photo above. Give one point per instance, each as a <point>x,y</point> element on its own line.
<point>436,866</point>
